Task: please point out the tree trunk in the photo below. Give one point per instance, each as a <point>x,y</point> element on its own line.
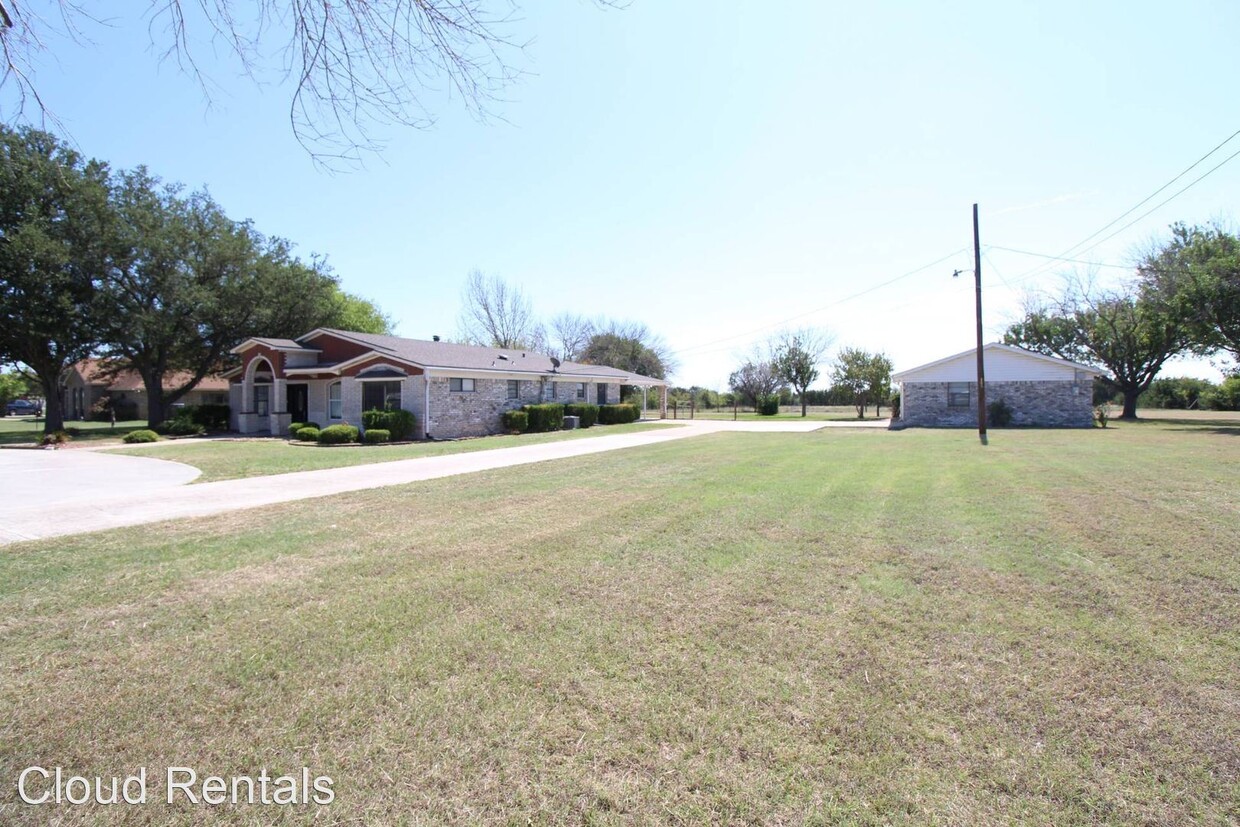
<point>53,403</point>
<point>154,382</point>
<point>804,406</point>
<point>1130,403</point>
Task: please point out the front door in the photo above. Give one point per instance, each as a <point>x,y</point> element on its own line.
<point>601,390</point>
<point>298,402</point>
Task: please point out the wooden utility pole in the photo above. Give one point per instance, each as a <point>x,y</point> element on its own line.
<point>981,362</point>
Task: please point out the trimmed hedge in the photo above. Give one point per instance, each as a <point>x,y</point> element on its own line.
<point>546,417</point>
<point>141,436</point>
<point>768,405</point>
<point>338,434</point>
<point>180,426</point>
<point>294,427</point>
<point>373,436</point>
<point>306,433</point>
<point>401,424</point>
<point>515,422</point>
<point>618,414</point>
<point>587,414</point>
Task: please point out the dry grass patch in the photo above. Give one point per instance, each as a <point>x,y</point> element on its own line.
<point>831,628</point>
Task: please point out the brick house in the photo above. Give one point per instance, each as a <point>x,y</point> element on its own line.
<point>90,380</point>
<point>1041,390</point>
<point>330,376</point>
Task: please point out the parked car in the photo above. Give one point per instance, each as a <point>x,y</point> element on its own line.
<point>23,407</point>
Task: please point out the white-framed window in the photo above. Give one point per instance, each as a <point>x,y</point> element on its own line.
<point>581,390</point>
<point>461,385</point>
<point>335,401</point>
<point>514,388</point>
<point>957,394</point>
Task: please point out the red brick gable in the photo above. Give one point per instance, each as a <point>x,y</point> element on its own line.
<point>335,349</point>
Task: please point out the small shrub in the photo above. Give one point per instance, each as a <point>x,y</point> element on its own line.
<point>1102,414</point>
<point>768,405</point>
<point>587,414</point>
<point>181,426</point>
<point>375,436</point>
<point>143,435</point>
<point>515,422</point>
<point>542,418</point>
<point>57,438</point>
<point>307,433</point>
<point>618,414</point>
<point>338,434</point>
<point>999,413</point>
<point>401,424</point>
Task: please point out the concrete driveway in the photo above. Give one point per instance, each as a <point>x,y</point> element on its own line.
<point>33,477</point>
<point>55,493</point>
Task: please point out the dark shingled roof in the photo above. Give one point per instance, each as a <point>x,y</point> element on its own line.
<point>471,357</point>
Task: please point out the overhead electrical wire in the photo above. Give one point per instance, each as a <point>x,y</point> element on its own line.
<point>835,303</point>
<point>1076,249</point>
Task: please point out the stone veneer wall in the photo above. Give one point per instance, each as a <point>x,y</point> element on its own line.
<point>1042,404</point>
<point>477,413</point>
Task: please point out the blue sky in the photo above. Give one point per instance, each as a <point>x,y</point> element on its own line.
<point>714,170</point>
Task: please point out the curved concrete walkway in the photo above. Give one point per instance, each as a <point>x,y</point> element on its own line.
<point>53,512</point>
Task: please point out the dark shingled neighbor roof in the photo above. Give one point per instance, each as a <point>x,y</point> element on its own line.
<point>471,357</point>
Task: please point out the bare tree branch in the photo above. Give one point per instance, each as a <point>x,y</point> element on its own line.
<point>354,65</point>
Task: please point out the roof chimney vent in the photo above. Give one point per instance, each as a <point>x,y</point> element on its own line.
<point>435,338</point>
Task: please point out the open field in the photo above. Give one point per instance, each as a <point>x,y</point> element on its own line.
<point>844,627</point>
<point>17,430</point>
<point>821,413</point>
<point>229,460</point>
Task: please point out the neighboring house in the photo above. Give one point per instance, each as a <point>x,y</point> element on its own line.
<point>1040,390</point>
<point>330,376</point>
<point>90,380</point>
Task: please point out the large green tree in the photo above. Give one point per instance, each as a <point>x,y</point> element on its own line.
<point>191,283</point>
<point>54,218</point>
<point>1129,332</point>
<point>1197,272</point>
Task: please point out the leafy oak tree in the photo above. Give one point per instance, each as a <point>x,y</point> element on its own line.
<point>1197,273</point>
<point>54,218</point>
<point>1130,332</point>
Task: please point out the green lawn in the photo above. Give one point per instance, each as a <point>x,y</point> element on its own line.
<point>16,430</point>
<point>843,627</point>
<point>227,460</point>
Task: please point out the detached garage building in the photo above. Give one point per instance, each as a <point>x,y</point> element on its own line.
<point>1040,390</point>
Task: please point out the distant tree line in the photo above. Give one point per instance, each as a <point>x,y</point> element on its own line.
<point>123,265</point>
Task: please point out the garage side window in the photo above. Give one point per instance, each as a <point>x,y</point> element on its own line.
<point>461,385</point>
<point>957,394</point>
<point>335,404</point>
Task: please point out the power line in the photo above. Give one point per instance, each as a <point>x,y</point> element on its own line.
<point>1054,258</point>
<point>819,309</point>
<point>1074,249</point>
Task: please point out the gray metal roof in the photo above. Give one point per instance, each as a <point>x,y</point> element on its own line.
<point>449,355</point>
